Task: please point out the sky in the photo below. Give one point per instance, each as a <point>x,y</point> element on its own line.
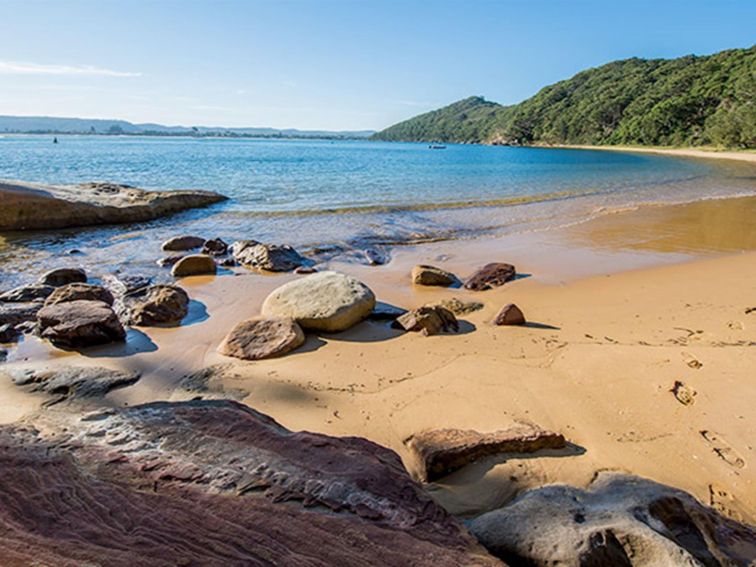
<point>327,64</point>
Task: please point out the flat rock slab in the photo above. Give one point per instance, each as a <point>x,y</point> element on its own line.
<point>73,382</point>
<point>16,313</point>
<point>459,306</point>
<point>63,276</point>
<point>268,257</point>
<point>490,276</point>
<point>154,306</point>
<point>31,206</point>
<point>78,291</point>
<point>432,276</point>
<point>326,301</point>
<point>260,338</point>
<point>621,521</point>
<point>428,320</point>
<point>213,483</point>
<point>442,451</point>
<point>80,323</point>
<point>194,265</point>
<point>36,292</point>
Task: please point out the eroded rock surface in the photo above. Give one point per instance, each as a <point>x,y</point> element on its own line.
<point>620,520</point>
<point>268,257</point>
<point>78,291</point>
<point>428,320</point>
<point>17,313</point>
<point>154,306</point>
<point>73,382</point>
<point>264,337</point>
<point>212,483</point>
<point>26,293</point>
<point>459,306</point>
<point>490,276</point>
<point>80,323</point>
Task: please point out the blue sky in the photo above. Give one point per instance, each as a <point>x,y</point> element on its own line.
<point>328,64</point>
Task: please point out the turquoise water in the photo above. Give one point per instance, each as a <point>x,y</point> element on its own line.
<point>348,194</point>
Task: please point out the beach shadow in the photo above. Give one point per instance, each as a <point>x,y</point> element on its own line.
<point>366,332</point>
<point>311,344</point>
<point>545,326</point>
<point>521,276</point>
<point>136,342</point>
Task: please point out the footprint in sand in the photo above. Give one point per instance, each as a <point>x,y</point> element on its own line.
<point>684,394</point>
<point>723,449</point>
<point>724,502</point>
<point>691,361</point>
<point>735,325</point>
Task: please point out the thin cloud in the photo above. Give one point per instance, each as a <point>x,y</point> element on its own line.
<point>16,68</point>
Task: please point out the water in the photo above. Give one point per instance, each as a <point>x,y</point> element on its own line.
<point>346,194</point>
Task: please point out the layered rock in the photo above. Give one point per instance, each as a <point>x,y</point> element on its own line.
<point>268,257</point>
<point>14,314</point>
<point>35,292</point>
<point>194,265</point>
<point>73,382</point>
<point>326,301</point>
<point>154,306</point>
<point>490,276</point>
<point>255,339</point>
<point>79,291</point>
<point>620,520</point>
<point>432,276</point>
<point>29,206</point>
<point>428,320</point>
<point>80,323</point>
<point>442,451</point>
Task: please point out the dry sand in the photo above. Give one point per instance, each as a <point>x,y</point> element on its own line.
<point>615,321</point>
<point>744,155</point>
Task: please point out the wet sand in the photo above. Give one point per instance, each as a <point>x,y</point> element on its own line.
<point>619,309</point>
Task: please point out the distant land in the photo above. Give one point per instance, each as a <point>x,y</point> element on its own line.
<point>689,101</point>
<point>53,125</point>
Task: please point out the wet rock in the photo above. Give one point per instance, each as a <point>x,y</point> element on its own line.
<point>458,306</point>
<point>386,312</point>
<point>26,293</point>
<point>430,275</point>
<point>8,333</point>
<point>63,276</point>
<point>620,520</point>
<point>120,285</point>
<point>215,247</point>
<point>213,483</point>
<point>16,313</point>
<point>490,276</point>
<point>442,451</point>
<point>428,320</point>
<point>169,261</point>
<point>510,314</point>
<point>77,291</point>
<point>683,393</point>
<point>326,301</point>
<point>73,382</point>
<point>80,323</point>
<point>268,257</point>
<point>374,257</point>
<point>305,270</point>
<point>3,355</point>
<point>260,338</point>
<point>194,265</point>
<point>182,243</point>
<point>154,306</point>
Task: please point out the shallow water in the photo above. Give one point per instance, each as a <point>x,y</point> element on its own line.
<point>347,194</point>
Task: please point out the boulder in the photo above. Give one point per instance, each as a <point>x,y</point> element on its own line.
<point>63,276</point>
<point>26,293</point>
<point>154,306</point>
<point>510,314</point>
<point>215,247</point>
<point>73,382</point>
<point>213,482</point>
<point>430,275</point>
<point>268,257</point>
<point>194,265</point>
<point>326,301</point>
<point>260,338</point>
<point>428,320</point>
<point>80,323</point>
<point>458,306</point>
<point>15,314</point>
<point>182,243</point>
<point>119,284</point>
<point>77,291</point>
<point>620,520</point>
<point>442,451</point>
<point>490,276</point>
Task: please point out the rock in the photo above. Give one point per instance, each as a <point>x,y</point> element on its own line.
<point>429,320</point>
<point>620,520</point>
<point>430,275</point>
<point>211,382</point>
<point>16,313</point>
<point>326,301</point>
<point>227,263</point>
<point>194,265</point>
<point>213,483</point>
<point>73,382</point>
<point>305,270</point>
<point>3,355</point>
<point>29,206</point>
<point>510,314</point>
<point>8,333</point>
<point>374,257</point>
<point>169,261</point>
<point>269,257</point>
<point>63,276</point>
<point>459,307</point>
<point>120,285</point>
<point>182,243</point>
<point>683,393</point>
<point>260,338</point>
<point>26,293</point>
<point>77,291</point>
<point>491,276</point>
<point>442,451</point>
<point>215,247</point>
<point>154,306</point>
<point>80,324</point>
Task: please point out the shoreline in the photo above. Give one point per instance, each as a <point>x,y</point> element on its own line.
<point>748,156</point>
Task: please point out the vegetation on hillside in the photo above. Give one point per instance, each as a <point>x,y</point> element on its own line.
<point>690,101</point>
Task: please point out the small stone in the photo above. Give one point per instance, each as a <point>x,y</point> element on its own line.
<point>429,320</point>
<point>510,314</point>
<point>374,257</point>
<point>305,270</point>
<point>490,276</point>
<point>196,264</point>
<point>432,276</point>
<point>215,247</point>
<point>77,291</point>
<point>169,261</point>
<point>260,338</point>
<point>181,243</point>
<point>63,276</point>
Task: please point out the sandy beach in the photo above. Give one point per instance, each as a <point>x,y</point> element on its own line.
<point>748,156</point>
<point>614,322</point>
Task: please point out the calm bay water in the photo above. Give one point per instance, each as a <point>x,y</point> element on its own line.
<point>345,193</point>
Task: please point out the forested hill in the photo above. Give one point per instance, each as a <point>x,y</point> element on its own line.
<point>689,101</point>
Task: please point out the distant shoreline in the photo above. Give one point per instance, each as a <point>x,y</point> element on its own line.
<point>742,155</point>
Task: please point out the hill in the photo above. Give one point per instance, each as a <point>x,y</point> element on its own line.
<point>689,101</point>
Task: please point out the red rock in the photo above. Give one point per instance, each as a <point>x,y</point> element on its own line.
<point>490,276</point>
<point>260,338</point>
<point>510,315</point>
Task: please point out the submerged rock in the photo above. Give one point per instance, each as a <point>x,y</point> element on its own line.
<point>510,314</point>
<point>194,265</point>
<point>490,276</point>
<point>260,338</point>
<point>326,301</point>
<point>430,275</point>
<point>73,382</point>
<point>442,451</point>
<point>268,257</point>
<point>80,324</point>
<point>36,292</point>
<point>169,261</point>
<point>157,305</point>
<point>77,291</point>
<point>182,243</point>
<point>63,276</point>
<point>428,320</point>
<point>620,520</point>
